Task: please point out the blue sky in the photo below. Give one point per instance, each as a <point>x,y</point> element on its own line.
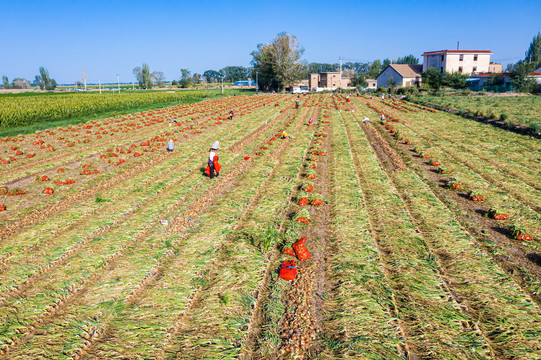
<point>112,37</point>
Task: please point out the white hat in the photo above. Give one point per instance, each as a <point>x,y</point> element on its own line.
<point>215,146</point>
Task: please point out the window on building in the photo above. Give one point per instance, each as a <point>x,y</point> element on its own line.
<point>461,58</point>
<point>474,69</point>
<point>460,69</point>
<point>442,58</point>
<point>474,57</point>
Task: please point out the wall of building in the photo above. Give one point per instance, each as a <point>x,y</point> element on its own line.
<point>372,83</point>
<point>468,64</point>
<point>495,68</point>
<point>313,81</point>
<point>436,61</point>
<point>387,74</point>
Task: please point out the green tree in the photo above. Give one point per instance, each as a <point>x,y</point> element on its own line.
<point>408,59</point>
<point>375,69</point>
<point>519,76</point>
<point>147,77</point>
<point>5,81</point>
<point>533,55</point>
<point>185,78</point>
<point>234,73</point>
<point>44,81</point>
<point>143,76</point>
<point>433,78</point>
<point>455,80</point>
<point>279,61</point>
<point>359,80</point>
<point>385,63</point>
<point>316,68</point>
<point>212,75</point>
<point>196,78</point>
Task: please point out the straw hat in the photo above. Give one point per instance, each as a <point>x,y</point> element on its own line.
<point>215,146</point>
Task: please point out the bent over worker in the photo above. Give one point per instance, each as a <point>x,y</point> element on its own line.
<point>213,164</point>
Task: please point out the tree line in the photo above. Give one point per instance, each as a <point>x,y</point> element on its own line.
<point>42,81</point>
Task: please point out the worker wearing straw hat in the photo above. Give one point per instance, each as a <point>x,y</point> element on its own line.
<point>213,164</point>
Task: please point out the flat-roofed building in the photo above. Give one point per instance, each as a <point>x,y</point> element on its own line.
<point>462,61</point>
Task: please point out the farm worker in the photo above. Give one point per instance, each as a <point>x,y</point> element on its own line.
<point>285,135</point>
<point>366,119</point>
<point>382,97</point>
<point>370,97</point>
<point>310,122</point>
<point>297,104</point>
<point>170,145</point>
<point>213,164</point>
<point>347,99</point>
<point>382,117</point>
<point>231,114</point>
<point>173,120</point>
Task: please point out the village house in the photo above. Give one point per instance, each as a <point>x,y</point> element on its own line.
<point>463,61</point>
<point>327,80</point>
<point>401,75</point>
<point>371,84</point>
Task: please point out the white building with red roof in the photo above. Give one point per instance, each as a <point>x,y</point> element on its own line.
<point>462,61</point>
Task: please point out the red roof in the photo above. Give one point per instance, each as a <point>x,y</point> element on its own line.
<point>535,74</point>
<point>457,52</point>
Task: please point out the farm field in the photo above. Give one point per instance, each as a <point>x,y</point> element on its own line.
<point>523,110</point>
<point>113,248</point>
<point>17,110</point>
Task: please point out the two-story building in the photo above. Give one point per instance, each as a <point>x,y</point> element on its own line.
<point>462,61</point>
<point>327,80</point>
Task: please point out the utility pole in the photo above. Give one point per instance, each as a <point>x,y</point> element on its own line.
<point>222,85</point>
<point>118,81</point>
<point>340,74</point>
<point>99,85</point>
<point>256,84</point>
<point>132,86</point>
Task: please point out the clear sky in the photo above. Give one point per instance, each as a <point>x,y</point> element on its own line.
<point>112,37</point>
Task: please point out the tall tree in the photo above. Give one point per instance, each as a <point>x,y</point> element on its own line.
<point>375,68</point>
<point>408,59</point>
<point>143,76</point>
<point>385,63</point>
<point>84,75</point>
<point>280,60</point>
<point>212,75</point>
<point>5,81</point>
<point>147,77</point>
<point>185,78</point>
<point>433,78</point>
<point>158,78</point>
<point>196,78</point>
<point>533,55</point>
<point>44,81</point>
<point>235,73</point>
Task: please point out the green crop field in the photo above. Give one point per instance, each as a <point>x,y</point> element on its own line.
<point>112,247</point>
<point>524,110</point>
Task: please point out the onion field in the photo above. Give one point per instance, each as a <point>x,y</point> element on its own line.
<point>417,236</point>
